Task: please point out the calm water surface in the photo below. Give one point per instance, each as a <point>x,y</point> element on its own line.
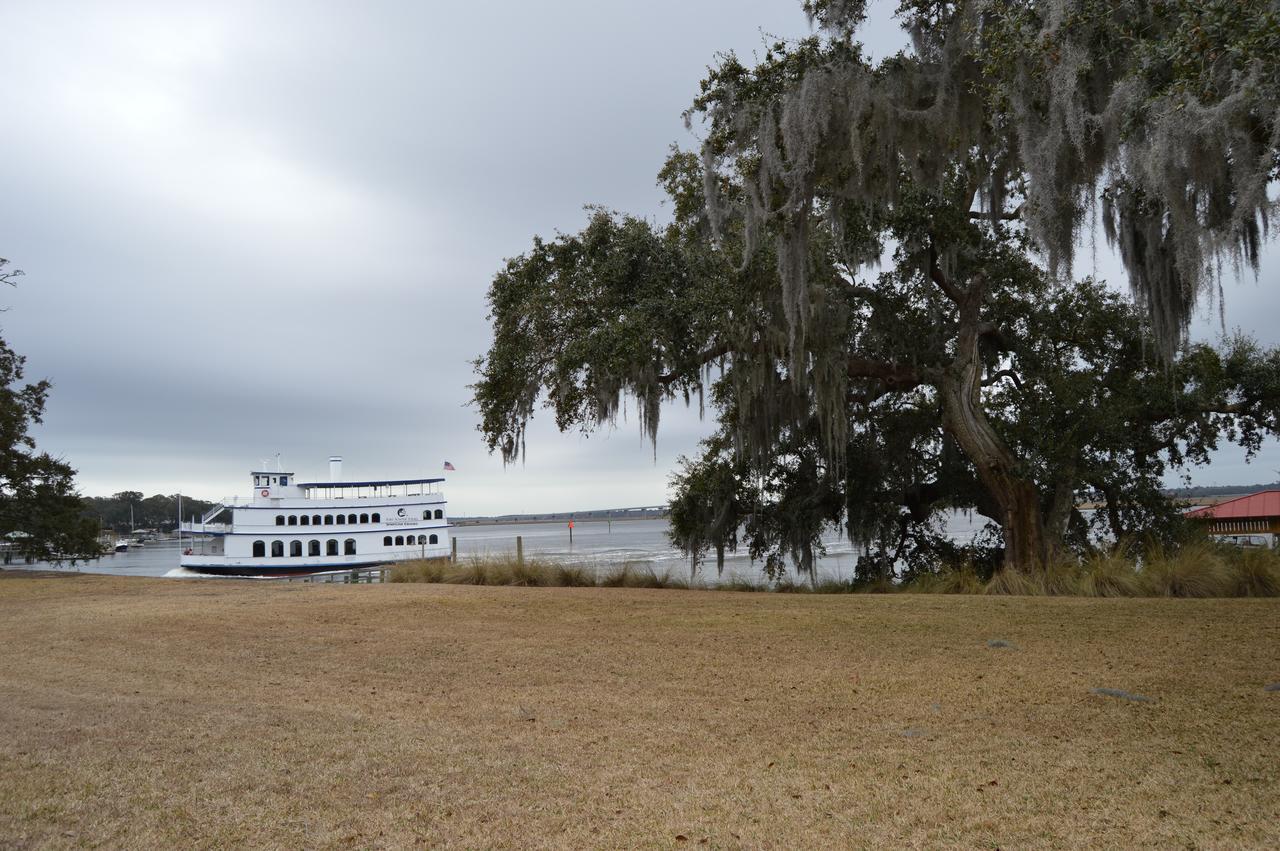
<point>594,542</point>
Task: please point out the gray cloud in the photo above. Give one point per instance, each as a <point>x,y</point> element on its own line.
<point>257,228</point>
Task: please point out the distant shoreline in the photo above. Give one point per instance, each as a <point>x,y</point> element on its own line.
<point>577,521</point>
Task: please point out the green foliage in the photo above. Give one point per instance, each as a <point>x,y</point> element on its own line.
<point>970,374</point>
<point>152,512</point>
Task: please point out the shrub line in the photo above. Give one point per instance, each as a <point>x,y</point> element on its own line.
<point>1194,570</point>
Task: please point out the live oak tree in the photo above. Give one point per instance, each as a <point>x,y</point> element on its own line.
<point>973,163</point>
<point>40,511</point>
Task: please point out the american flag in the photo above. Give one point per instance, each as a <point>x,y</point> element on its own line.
<point>450,467</point>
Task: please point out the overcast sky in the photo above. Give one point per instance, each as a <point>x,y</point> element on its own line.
<point>252,228</point>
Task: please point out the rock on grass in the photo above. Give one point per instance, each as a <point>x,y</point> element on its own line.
<point>1122,695</point>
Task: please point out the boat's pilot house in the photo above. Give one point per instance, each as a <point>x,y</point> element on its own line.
<point>275,485</point>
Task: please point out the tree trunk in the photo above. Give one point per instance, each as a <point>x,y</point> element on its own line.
<point>1018,497</point>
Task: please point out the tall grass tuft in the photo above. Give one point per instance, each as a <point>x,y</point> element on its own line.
<point>962,579</point>
<point>740,583</point>
<point>419,571</point>
<point>1108,575</point>
<point>573,576</point>
<point>1194,570</point>
<point>618,576</point>
<point>1254,573</point>
<point>1013,583</point>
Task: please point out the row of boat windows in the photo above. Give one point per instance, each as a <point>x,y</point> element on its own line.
<point>295,548</point>
<point>401,540</point>
<point>331,519</point>
<point>331,546</point>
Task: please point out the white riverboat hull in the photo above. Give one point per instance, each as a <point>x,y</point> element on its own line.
<point>290,528</point>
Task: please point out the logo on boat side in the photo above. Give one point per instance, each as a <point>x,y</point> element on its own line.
<point>402,518</point>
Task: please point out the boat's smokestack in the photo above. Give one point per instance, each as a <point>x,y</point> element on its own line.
<point>335,468</point>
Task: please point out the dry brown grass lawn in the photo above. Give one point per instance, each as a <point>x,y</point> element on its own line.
<point>143,713</point>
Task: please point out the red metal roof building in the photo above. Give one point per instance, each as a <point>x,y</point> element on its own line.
<point>1257,513</point>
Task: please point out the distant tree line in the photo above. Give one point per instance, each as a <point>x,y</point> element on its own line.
<point>158,512</point>
<point>1223,490</point>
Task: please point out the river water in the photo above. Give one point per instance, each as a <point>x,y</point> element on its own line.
<point>595,542</point>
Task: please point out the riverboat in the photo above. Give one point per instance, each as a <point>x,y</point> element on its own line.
<point>288,527</point>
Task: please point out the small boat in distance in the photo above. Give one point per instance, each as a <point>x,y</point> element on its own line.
<point>289,527</point>
<point>122,545</point>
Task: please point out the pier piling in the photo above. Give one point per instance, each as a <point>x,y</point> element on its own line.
<point>519,549</point>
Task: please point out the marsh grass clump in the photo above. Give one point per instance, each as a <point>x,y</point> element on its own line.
<point>618,576</point>
<point>788,585</point>
<point>1193,570</point>
<point>419,571</point>
<point>951,579</point>
<point>1013,583</point>
<point>573,576</point>
<point>1254,573</point>
<point>473,572</point>
<point>741,583</point>
<point>1107,575</point>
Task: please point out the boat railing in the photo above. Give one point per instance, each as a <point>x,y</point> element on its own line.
<point>193,528</point>
<point>213,512</point>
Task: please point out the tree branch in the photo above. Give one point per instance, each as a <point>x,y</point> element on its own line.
<point>705,357</point>
<point>1011,216</point>
<point>944,283</point>
<point>1005,373</point>
<point>896,375</point>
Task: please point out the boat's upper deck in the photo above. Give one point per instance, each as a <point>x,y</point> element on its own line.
<point>270,488</point>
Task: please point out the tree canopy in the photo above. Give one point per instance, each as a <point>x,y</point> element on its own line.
<point>972,373</point>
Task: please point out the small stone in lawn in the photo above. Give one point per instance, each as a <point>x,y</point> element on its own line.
<point>1122,694</point>
<point>1271,687</point>
<point>915,733</point>
<point>526,714</point>
<point>1000,642</point>
<point>935,708</point>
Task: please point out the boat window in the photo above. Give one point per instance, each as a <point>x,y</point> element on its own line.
<point>295,548</point>
<point>439,514</point>
<point>422,539</point>
<point>434,539</point>
<point>426,515</point>
<point>284,480</point>
<point>304,520</point>
<point>293,520</point>
<point>351,518</point>
<point>331,547</point>
<point>386,542</point>
<point>259,549</point>
<point>315,519</point>
<point>277,549</point>
<point>364,518</point>
<point>376,517</point>
<point>350,546</point>
<point>399,540</point>
<point>313,548</point>
<point>279,519</point>
<point>328,520</point>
